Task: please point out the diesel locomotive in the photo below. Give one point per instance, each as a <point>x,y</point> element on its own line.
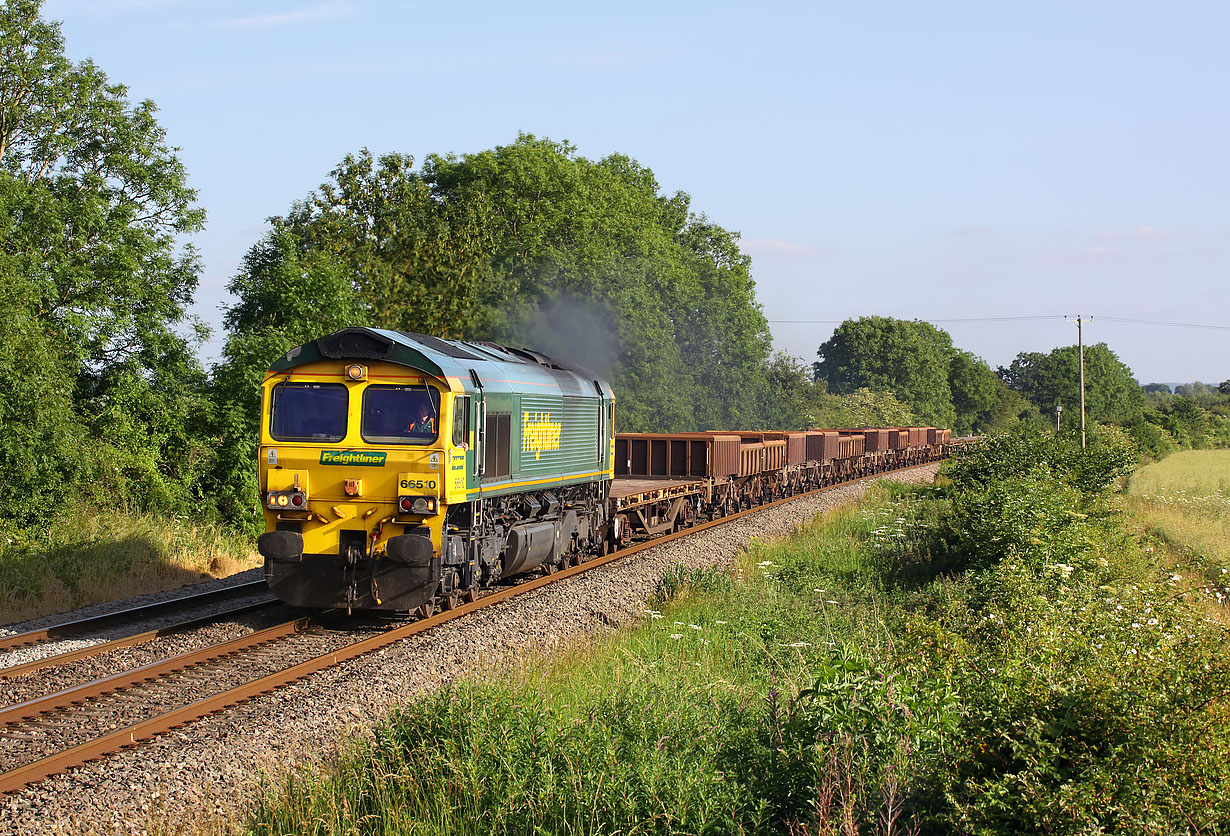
<point>402,471</point>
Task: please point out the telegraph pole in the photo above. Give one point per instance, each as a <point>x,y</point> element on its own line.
<point>1080,342</point>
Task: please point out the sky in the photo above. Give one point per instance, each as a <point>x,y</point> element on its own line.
<point>993,168</point>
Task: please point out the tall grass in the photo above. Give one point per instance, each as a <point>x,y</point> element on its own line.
<point>100,556</point>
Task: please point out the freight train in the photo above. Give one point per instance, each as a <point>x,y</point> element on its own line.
<point>404,472</point>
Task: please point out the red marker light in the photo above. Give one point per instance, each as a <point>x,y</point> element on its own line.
<point>405,503</point>
<point>297,500</point>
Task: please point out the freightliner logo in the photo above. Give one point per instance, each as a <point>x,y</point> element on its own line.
<point>539,433</point>
<point>362,458</point>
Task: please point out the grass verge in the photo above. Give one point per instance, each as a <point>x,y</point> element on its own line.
<point>92,557</point>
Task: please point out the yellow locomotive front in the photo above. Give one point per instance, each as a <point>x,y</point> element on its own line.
<point>357,464</point>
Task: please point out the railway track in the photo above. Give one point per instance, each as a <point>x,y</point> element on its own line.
<point>48,735</point>
<point>82,626</point>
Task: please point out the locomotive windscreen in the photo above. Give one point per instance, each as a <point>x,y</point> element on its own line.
<point>309,412</point>
<point>400,414</point>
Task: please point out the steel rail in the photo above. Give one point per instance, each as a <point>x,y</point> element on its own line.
<point>13,671</point>
<point>152,727</point>
<point>69,628</point>
<point>145,673</point>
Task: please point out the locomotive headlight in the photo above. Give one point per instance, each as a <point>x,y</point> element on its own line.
<point>283,500</point>
<point>355,371</point>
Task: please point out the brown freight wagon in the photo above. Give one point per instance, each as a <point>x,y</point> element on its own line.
<point>751,458</point>
<point>796,449</point>
<point>877,440</point>
<point>898,438</point>
<point>822,445</point>
<point>761,456</point>
<point>775,454</point>
<point>851,445</point>
<point>677,455</point>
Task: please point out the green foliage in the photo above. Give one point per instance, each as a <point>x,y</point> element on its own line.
<point>974,391</point>
<point>796,401</point>
<point>1112,394</point>
<point>99,392</point>
<point>1110,454</point>
<point>911,359</point>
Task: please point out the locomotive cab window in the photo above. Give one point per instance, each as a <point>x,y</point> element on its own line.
<point>308,412</point>
<point>461,421</point>
<point>400,415</point>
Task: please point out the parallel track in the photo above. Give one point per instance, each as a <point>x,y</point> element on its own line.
<point>85,625</point>
<point>33,711</point>
<point>14,671</point>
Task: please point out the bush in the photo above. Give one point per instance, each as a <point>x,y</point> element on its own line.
<point>1109,455</point>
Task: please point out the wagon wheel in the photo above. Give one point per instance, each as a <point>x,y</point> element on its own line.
<point>450,601</point>
<point>471,595</point>
<point>426,610</point>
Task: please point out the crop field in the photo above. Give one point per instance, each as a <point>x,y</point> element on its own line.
<point>995,656</point>
<point>1184,500</point>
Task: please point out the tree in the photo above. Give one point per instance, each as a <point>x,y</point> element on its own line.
<point>794,400</point>
<point>911,359</point>
<point>975,392</point>
<point>1112,394</point>
<point>92,200</point>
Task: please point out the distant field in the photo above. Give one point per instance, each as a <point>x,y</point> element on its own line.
<point>1185,500</point>
<point>1190,472</point>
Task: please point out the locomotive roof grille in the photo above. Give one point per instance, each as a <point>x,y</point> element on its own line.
<point>442,346</point>
<point>354,343</point>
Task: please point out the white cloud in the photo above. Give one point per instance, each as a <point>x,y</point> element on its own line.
<point>323,11</point>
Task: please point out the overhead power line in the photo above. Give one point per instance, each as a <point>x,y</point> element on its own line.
<point>1167,324</point>
<point>1016,318</point>
<point>922,319</point>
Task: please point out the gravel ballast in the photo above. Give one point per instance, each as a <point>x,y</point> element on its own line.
<point>203,775</point>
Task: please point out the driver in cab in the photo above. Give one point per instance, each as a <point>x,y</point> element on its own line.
<point>424,425</point>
